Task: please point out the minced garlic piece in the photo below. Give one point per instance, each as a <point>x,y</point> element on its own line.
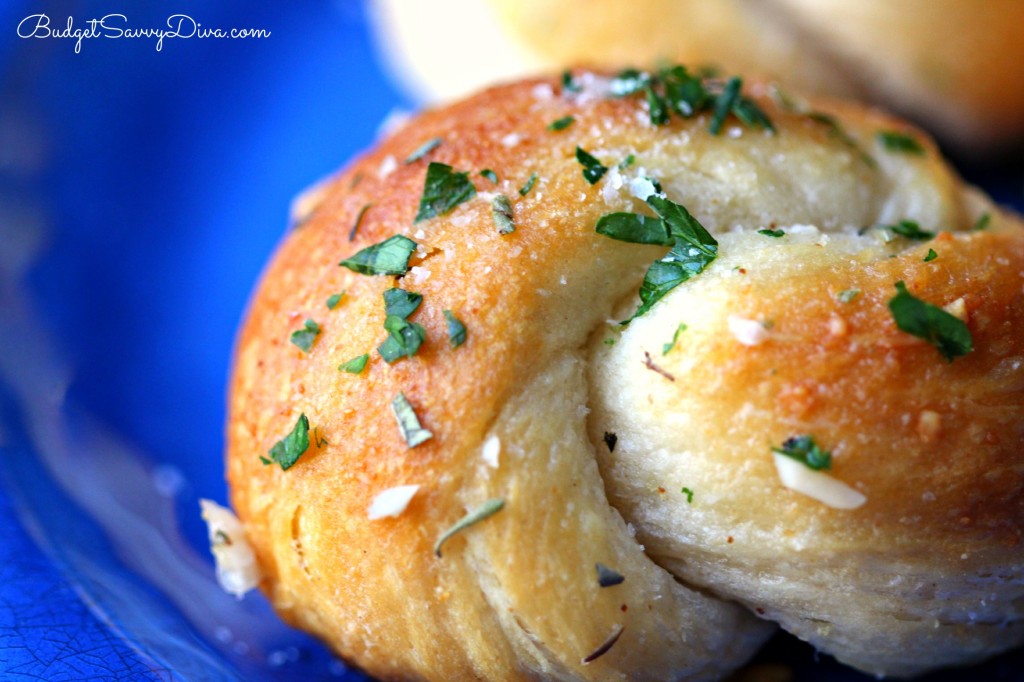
<point>391,502</point>
<point>237,570</point>
<point>798,477</point>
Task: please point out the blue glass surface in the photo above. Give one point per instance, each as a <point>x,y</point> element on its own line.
<point>141,191</point>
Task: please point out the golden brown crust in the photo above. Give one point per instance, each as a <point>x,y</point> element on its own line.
<point>516,595</point>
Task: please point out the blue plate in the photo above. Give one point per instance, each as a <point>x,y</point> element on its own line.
<point>141,191</point>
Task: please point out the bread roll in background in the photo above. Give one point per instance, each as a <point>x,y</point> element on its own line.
<point>598,451</point>
<point>951,65</point>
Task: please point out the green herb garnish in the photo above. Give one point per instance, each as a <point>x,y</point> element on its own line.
<point>608,577</point>
<point>562,123</point>
<point>409,425</point>
<point>933,324</point>
<point>359,220</point>
<point>489,174</point>
<point>304,338</point>
<point>675,89</point>
<point>675,337</point>
<point>898,142</point>
<point>501,211</point>
<point>356,364</point>
<point>404,337</point>
<point>569,83</point>
<point>693,248</point>
<point>772,233</point>
<point>401,302</point>
<point>530,182</point>
<point>804,450</point>
<point>931,256</point>
<point>847,295</point>
<point>627,162</point>
<point>287,451</point>
<point>456,330</point>
<point>909,229</point>
<point>443,190</point>
<point>334,299</point>
<point>424,149</point>
<point>592,168</point>
<point>724,104</point>
<point>689,495</point>
<point>982,222</point>
<point>485,510</point>
<point>389,257</point>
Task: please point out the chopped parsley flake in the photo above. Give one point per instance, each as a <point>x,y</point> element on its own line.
<point>933,324</point>
<point>401,302</point>
<point>569,83</point>
<point>286,452</point>
<point>609,341</point>
<point>356,364</point>
<point>693,247</point>
<point>689,495</point>
<point>530,182</point>
<point>334,299</point>
<point>424,149</point>
<point>501,211</point>
<point>408,423</point>
<point>982,222</point>
<point>804,450</point>
<point>910,230</point>
<point>592,168</point>
<point>931,256</point>
<point>489,174</point>
<point>898,142</point>
<point>675,89</point>
<point>304,338</point>
<point>847,295</point>
<point>404,337</point>
<point>562,123</point>
<point>771,233</point>
<point>627,162</point>
<point>485,510</point>
<point>608,577</point>
<point>389,257</point>
<point>456,330</point>
<point>443,190</point>
<point>675,337</point>
<point>359,219</point>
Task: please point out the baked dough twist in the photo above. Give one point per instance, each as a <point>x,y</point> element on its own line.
<point>952,65</point>
<point>645,448</point>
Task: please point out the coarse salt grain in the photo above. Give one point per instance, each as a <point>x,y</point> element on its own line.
<point>491,451</point>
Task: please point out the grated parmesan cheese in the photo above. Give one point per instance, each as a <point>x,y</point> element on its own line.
<point>831,491</point>
<point>391,502</point>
